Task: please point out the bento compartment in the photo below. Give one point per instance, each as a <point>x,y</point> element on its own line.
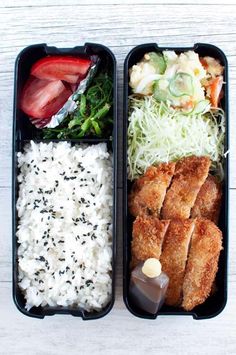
<point>89,178</point>
<point>29,57</point>
<point>24,132</point>
<point>216,302</point>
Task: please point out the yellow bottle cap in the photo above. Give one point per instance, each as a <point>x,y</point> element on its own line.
<point>151,267</point>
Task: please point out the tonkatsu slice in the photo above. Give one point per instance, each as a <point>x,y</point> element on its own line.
<point>208,202</point>
<point>190,174</point>
<point>148,235</point>
<point>174,257</point>
<point>202,264</point>
<point>148,192</point>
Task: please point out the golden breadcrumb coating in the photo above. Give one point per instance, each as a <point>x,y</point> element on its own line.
<point>174,257</point>
<point>202,264</point>
<point>208,201</point>
<point>190,174</point>
<point>148,192</point>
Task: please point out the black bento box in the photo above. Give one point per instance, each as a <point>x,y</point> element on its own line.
<point>216,303</point>
<point>24,131</point>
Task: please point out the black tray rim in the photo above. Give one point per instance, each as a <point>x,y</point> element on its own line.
<point>60,310</point>
<point>226,180</point>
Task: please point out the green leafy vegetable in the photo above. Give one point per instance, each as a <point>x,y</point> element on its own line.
<point>93,115</point>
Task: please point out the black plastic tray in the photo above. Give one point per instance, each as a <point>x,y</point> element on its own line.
<point>214,304</point>
<point>24,131</point>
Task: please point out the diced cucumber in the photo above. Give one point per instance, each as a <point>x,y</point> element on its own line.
<point>157,60</point>
<point>201,107</point>
<point>160,90</point>
<point>181,84</point>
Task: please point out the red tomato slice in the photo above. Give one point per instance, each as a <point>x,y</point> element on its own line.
<point>42,98</point>
<point>73,87</point>
<point>66,68</point>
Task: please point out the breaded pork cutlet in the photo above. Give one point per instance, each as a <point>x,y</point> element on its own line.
<point>148,192</point>
<point>202,264</point>
<point>208,201</point>
<point>148,235</point>
<point>174,257</point>
<point>190,174</point>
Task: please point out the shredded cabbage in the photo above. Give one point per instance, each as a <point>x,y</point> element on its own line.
<point>158,133</point>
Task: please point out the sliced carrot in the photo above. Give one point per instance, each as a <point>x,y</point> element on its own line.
<point>215,90</point>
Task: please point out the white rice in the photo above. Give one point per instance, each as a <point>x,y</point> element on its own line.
<point>65,225</point>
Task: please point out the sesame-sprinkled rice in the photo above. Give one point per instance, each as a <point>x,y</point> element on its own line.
<point>65,227</point>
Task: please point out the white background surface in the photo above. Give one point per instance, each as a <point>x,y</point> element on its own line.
<point>120,25</point>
